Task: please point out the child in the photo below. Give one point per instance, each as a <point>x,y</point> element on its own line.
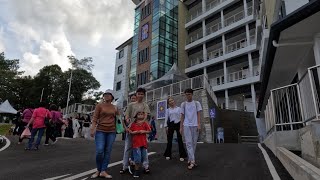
<point>139,130</point>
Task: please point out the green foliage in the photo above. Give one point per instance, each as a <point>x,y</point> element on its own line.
<point>25,91</point>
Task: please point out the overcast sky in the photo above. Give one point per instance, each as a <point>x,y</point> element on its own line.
<point>45,32</point>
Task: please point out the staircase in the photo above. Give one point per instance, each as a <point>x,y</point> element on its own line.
<point>239,126</point>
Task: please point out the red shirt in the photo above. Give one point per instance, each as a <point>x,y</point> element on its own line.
<point>38,115</point>
<point>139,140</point>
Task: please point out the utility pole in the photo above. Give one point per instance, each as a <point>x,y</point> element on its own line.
<point>41,95</point>
<point>69,90</point>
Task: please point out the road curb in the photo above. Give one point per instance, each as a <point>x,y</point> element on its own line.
<point>8,142</point>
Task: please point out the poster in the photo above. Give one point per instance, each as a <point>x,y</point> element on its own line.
<point>161,109</point>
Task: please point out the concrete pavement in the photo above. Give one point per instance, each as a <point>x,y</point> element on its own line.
<point>74,157</point>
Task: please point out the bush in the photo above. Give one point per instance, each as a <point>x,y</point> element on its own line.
<point>4,129</point>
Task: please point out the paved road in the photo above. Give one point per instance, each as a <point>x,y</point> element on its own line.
<point>75,156</point>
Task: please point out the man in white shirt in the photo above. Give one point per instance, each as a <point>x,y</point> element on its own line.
<point>190,125</point>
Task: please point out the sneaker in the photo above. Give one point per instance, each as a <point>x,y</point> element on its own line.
<point>146,170</point>
<point>36,148</point>
<point>122,171</point>
<point>136,174</point>
<point>181,159</point>
<point>46,144</point>
<point>168,158</point>
<point>55,141</point>
<point>131,169</point>
<point>19,142</point>
<point>27,149</point>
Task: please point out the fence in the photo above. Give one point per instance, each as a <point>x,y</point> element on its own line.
<point>78,108</point>
<point>195,83</point>
<point>293,106</point>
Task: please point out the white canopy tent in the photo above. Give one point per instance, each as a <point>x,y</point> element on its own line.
<point>6,107</point>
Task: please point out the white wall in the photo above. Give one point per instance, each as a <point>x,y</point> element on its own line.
<point>292,5</point>
<point>123,77</point>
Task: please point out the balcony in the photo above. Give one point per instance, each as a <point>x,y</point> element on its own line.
<point>218,80</point>
<point>194,13</point>
<point>213,4</point>
<point>215,54</point>
<point>236,16</point>
<point>194,36</point>
<point>239,42</point>
<point>213,28</point>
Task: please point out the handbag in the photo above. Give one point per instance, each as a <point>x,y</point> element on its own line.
<point>47,120</point>
<point>119,125</point>
<point>26,133</point>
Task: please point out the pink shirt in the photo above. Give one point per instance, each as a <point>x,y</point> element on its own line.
<point>38,116</point>
<point>56,115</point>
<point>27,114</point>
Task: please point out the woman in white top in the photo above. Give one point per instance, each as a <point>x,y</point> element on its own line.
<point>172,123</point>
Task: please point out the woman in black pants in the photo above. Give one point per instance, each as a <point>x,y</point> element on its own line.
<point>172,123</point>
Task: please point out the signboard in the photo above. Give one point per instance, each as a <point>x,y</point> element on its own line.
<point>161,109</point>
<point>212,113</point>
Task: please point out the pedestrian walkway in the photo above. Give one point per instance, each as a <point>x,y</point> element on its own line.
<point>75,159</point>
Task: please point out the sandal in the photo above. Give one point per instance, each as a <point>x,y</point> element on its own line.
<point>122,171</point>
<point>107,176</point>
<point>191,166</point>
<point>95,175</point>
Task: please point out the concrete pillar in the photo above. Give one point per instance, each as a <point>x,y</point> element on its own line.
<point>225,72</point>
<point>235,104</point>
<point>204,5</point>
<point>205,78</point>
<point>224,45</point>
<point>204,28</point>
<point>222,18</point>
<point>226,98</point>
<point>248,34</point>
<point>245,7</point>
<point>316,49</point>
<point>204,52</point>
<point>253,95</point>
<point>250,65</point>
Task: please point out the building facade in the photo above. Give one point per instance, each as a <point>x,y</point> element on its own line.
<point>121,73</point>
<point>223,42</point>
<point>155,46</point>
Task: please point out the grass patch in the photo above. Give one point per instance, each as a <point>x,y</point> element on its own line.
<point>4,128</point>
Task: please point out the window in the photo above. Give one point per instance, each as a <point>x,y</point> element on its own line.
<point>146,11</point>
<point>121,53</point>
<point>143,78</point>
<point>120,69</point>
<point>143,55</point>
<point>118,87</point>
<point>144,32</point>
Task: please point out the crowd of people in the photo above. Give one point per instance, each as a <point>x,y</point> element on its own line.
<point>35,120</point>
<point>137,123</point>
<point>184,120</point>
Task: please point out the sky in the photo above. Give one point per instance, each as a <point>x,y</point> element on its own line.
<point>45,32</point>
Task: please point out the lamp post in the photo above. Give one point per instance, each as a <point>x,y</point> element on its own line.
<point>69,90</point>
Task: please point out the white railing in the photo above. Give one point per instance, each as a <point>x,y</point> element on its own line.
<point>214,28</point>
<point>194,14</point>
<point>234,18</point>
<point>78,108</point>
<point>215,54</point>
<point>250,10</point>
<point>195,61</point>
<point>212,4</point>
<point>291,107</point>
<point>237,45</point>
<point>241,105</point>
<point>234,76</point>
<point>195,83</point>
<point>194,36</point>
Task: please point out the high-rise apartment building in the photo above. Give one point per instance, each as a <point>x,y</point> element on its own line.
<point>121,73</point>
<point>223,41</point>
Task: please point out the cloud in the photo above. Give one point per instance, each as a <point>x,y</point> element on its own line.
<point>46,32</point>
<point>2,47</point>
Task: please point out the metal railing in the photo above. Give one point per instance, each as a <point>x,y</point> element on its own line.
<point>194,14</point>
<point>215,54</point>
<point>194,36</point>
<point>214,28</point>
<point>78,108</point>
<point>195,83</point>
<point>234,18</point>
<point>293,106</point>
<point>237,45</point>
<point>195,61</point>
<point>213,4</point>
<point>241,105</point>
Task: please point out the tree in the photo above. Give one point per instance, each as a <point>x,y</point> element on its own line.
<point>84,63</point>
<point>8,84</point>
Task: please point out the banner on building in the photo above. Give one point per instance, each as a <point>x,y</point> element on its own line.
<point>161,109</point>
